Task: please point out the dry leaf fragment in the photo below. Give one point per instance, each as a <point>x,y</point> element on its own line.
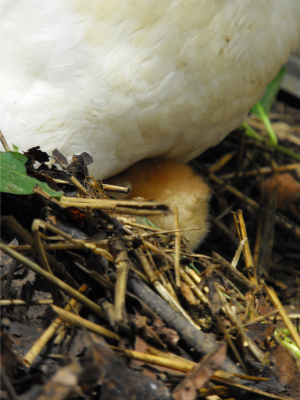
<point>288,193</point>
<point>200,374</point>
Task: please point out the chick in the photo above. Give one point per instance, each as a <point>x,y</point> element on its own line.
<point>176,184</point>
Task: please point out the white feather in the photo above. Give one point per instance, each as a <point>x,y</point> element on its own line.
<point>132,79</point>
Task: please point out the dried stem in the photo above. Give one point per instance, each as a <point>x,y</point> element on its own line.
<point>59,283</point>
<point>18,302</point>
<point>262,171</point>
<point>35,350</point>
<point>88,245</point>
<point>79,185</point>
<point>286,319</point>
<point>4,142</point>
<point>84,323</point>
<point>161,289</point>
<point>281,220</point>
<point>193,286</point>
<point>241,230</point>
<point>14,226</point>
<point>177,249</point>
<point>231,344</point>
<point>122,263</point>
<point>256,351</point>
<point>123,206</point>
<point>117,189</point>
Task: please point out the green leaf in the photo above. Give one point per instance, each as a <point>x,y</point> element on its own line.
<point>145,221</point>
<point>259,111</point>
<point>14,178</point>
<point>256,136</point>
<point>263,107</point>
<point>15,148</point>
<point>272,90</point>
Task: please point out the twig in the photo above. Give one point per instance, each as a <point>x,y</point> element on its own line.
<point>261,318</point>
<point>238,253</point>
<point>122,206</point>
<point>181,364</point>
<point>17,302</point>
<point>79,185</point>
<point>193,286</point>
<point>14,226</point>
<point>122,264</point>
<point>39,246</point>
<point>193,274</point>
<point>4,142</point>
<point>41,192</point>
<point>60,246</point>
<point>161,232</point>
<point>262,171</point>
<point>255,350</point>
<point>233,274</point>
<point>161,289</point>
<point>62,330</point>
<point>35,350</point>
<point>177,249</point>
<point>88,245</point>
<point>42,256</point>
<point>194,338</point>
<point>281,220</point>
<point>249,389</point>
<point>117,189</point>
<point>231,344</point>
<point>59,283</point>
<point>241,229</point>
<point>277,304</point>
<point>220,163</point>
<point>109,310</point>
<point>84,323</point>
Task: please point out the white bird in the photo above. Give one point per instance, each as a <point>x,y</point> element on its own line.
<point>128,80</point>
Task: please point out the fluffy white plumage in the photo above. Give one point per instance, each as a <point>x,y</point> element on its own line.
<point>133,79</point>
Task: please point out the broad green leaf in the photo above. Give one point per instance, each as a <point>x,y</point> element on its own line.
<point>14,178</point>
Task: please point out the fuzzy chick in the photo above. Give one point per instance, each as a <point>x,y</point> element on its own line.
<point>176,184</point>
